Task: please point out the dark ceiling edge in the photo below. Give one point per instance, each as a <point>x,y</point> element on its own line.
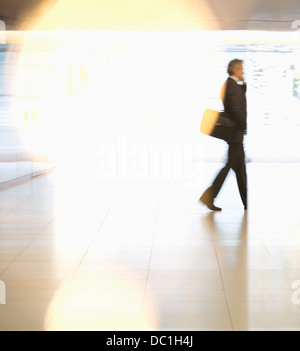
<point>10,23</point>
<point>28,15</point>
<point>210,24</point>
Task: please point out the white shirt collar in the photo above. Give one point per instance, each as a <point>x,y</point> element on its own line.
<point>234,78</point>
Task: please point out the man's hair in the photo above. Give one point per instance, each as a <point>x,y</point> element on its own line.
<point>233,65</point>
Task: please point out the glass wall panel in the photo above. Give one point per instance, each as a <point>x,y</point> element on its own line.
<point>65,95</point>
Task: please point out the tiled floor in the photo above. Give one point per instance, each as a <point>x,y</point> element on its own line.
<point>88,255</point>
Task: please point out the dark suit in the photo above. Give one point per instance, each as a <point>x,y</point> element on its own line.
<point>235,107</point>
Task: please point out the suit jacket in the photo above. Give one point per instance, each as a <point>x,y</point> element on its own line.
<point>235,107</point>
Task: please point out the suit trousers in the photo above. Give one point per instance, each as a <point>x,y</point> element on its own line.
<point>235,161</point>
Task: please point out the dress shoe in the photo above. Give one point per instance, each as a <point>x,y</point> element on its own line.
<point>210,204</point>
<point>212,207</point>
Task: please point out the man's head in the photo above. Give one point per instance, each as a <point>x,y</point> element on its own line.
<point>235,69</point>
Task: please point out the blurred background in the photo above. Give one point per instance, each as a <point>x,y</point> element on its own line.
<point>108,92</point>
<point>76,77</point>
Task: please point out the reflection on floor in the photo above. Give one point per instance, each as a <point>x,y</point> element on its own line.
<point>140,255</point>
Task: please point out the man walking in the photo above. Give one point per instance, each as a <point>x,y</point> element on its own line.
<point>235,107</point>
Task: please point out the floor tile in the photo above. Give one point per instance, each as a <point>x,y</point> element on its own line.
<point>141,256</point>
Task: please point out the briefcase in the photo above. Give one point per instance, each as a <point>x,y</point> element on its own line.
<point>218,125</point>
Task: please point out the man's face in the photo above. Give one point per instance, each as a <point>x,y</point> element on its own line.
<point>239,72</point>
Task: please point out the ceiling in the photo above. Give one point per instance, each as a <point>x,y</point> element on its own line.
<point>272,15</point>
<point>17,12</point>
